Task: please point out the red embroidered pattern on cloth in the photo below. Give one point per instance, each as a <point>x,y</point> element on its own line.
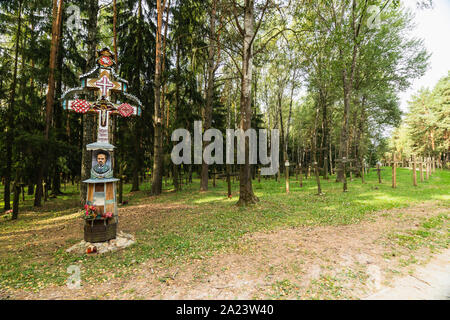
<point>125,109</point>
<point>80,106</point>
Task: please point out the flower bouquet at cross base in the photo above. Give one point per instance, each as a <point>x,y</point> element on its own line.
<point>92,213</point>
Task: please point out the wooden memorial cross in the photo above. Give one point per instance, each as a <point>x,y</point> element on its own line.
<point>394,170</point>
<point>420,163</point>
<point>112,99</point>
<point>325,159</point>
<point>427,164</point>
<point>428,167</point>
<point>286,171</point>
<point>300,175</point>
<point>364,170</point>
<point>433,164</point>
<point>379,171</point>
<point>316,173</point>
<point>413,158</point>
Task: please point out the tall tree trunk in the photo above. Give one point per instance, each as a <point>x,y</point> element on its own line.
<point>157,144</point>
<point>246,195</point>
<point>115,31</point>
<point>50,99</point>
<point>283,148</point>
<point>56,185</point>
<point>294,76</point>
<point>89,119</point>
<point>347,81</point>
<point>343,146</point>
<point>10,131</point>
<point>176,181</point>
<point>164,82</point>
<point>314,152</point>
<point>207,115</point>
<point>42,171</point>
<point>325,144</point>
<point>360,138</point>
<point>136,164</point>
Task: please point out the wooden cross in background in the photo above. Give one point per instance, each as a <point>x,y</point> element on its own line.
<point>394,170</point>
<point>379,171</point>
<point>413,159</point>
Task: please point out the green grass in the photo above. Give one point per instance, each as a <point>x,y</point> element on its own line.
<point>210,223</point>
<point>429,234</point>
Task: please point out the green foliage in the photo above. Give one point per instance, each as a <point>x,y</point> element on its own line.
<point>208,223</point>
<point>425,130</point>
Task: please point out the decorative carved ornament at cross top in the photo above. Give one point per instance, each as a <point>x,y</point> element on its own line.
<point>111,92</point>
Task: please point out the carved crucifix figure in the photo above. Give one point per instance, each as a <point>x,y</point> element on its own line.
<point>104,109</point>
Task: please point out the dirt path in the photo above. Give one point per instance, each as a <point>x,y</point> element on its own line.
<point>322,262</point>
<point>431,282</point>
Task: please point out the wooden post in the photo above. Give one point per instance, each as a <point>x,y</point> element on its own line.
<point>121,177</point>
<point>379,172</point>
<point>345,176</point>
<point>414,170</point>
<point>394,171</point>
<point>286,170</point>
<point>259,175</point>
<point>428,167</point>
<point>363,167</point>
<point>434,164</point>
<point>16,188</point>
<point>45,189</point>
<point>214,177</point>
<point>228,168</point>
<point>421,169</point>
<point>300,175</point>
<point>316,170</point>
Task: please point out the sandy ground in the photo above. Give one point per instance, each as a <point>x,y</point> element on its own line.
<point>431,282</point>
<point>323,262</point>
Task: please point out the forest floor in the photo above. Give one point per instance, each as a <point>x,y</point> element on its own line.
<point>193,245</point>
